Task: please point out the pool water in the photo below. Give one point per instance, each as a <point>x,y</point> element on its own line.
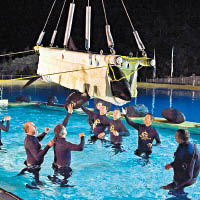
<point>187,101</point>
<point>98,172</point>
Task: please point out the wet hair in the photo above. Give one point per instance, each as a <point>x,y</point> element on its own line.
<point>26,126</point>
<point>183,134</point>
<point>59,130</point>
<point>116,109</point>
<point>152,117</point>
<point>99,102</point>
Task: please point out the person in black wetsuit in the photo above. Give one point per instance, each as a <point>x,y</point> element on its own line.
<point>97,111</point>
<point>99,122</point>
<point>117,130</point>
<point>146,134</point>
<point>62,151</point>
<point>98,107</point>
<point>4,128</point>
<point>35,154</point>
<point>186,164</point>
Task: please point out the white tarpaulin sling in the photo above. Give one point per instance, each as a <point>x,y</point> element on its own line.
<point>82,76</point>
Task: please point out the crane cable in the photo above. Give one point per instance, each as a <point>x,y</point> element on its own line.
<point>60,15</point>
<point>104,10</point>
<point>136,35</point>
<point>128,15</point>
<point>49,15</point>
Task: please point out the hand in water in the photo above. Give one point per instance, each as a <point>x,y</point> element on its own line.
<point>46,130</point>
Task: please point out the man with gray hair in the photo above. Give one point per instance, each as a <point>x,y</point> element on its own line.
<point>62,151</point>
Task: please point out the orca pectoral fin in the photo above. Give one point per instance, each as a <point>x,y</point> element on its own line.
<point>30,81</point>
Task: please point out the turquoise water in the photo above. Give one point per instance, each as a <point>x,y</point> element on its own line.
<point>97,172</point>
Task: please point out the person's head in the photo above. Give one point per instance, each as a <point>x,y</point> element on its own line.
<point>182,136</point>
<point>98,105</point>
<point>116,114</point>
<point>30,128</point>
<point>60,131</point>
<point>103,110</point>
<point>148,119</point>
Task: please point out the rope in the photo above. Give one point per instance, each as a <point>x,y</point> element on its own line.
<point>28,77</point>
<point>60,15</point>
<point>8,54</point>
<point>108,66</point>
<point>49,15</point>
<point>125,76</point>
<point>135,60</point>
<point>104,10</point>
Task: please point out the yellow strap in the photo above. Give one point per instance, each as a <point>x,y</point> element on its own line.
<point>133,60</point>
<point>28,77</point>
<point>36,48</point>
<point>8,54</point>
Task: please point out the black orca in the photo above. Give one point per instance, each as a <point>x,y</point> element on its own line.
<point>77,99</point>
<point>173,115</point>
<point>120,89</point>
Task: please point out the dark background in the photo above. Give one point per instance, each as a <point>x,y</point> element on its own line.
<point>160,24</point>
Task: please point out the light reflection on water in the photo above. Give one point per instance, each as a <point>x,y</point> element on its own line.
<point>187,101</point>
<point>97,172</point>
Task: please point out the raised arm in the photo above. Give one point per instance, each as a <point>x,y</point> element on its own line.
<point>78,147</point>
<point>37,155</point>
<point>89,112</point>
<point>41,136</point>
<point>65,122</point>
<point>131,123</point>
<point>70,110</point>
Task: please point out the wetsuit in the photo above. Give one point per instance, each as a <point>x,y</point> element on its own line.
<point>90,118</point>
<point>4,128</point>
<point>100,122</point>
<point>62,156</point>
<point>146,134</point>
<point>186,165</point>
<point>35,154</point>
<point>118,126</point>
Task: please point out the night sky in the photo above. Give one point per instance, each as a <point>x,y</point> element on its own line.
<point>160,24</point>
